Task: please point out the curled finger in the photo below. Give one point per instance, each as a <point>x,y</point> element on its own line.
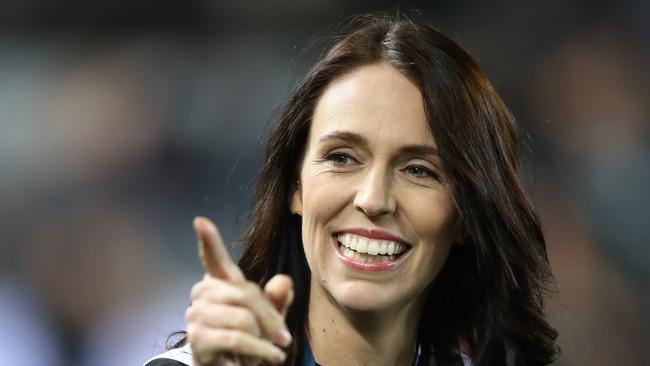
<point>270,319</point>
<point>223,316</point>
<point>248,295</point>
<point>207,343</point>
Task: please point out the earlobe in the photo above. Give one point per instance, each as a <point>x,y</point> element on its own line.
<point>296,200</point>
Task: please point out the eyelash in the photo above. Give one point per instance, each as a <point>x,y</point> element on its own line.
<point>417,171</point>
<point>428,173</point>
<point>335,158</point>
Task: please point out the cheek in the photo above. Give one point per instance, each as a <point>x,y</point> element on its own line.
<point>320,204</point>
<point>434,222</point>
<point>435,228</point>
<point>324,195</point>
<point>324,201</point>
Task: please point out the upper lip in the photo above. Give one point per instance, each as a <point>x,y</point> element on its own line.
<point>373,234</point>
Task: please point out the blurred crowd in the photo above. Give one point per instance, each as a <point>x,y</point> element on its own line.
<point>121,122</point>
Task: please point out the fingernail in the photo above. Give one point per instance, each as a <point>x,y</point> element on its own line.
<point>284,337</point>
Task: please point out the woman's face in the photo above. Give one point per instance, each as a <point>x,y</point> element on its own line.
<point>378,222</point>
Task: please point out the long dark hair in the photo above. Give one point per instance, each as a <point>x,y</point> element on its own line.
<point>490,291</point>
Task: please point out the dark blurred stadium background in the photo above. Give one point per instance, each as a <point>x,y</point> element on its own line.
<point>121,121</point>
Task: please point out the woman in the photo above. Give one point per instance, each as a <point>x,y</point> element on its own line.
<point>389,225</point>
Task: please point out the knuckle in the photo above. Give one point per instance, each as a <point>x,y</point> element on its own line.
<point>194,311</point>
<point>251,292</point>
<point>243,319</point>
<point>197,290</point>
<point>238,296</point>
<point>226,339</point>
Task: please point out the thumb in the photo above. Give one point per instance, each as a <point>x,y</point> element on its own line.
<point>279,290</point>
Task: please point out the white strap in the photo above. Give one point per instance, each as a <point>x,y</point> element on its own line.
<point>182,355</point>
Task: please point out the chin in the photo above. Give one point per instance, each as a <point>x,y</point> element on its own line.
<point>363,297</point>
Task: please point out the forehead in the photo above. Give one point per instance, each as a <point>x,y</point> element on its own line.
<point>375,101</point>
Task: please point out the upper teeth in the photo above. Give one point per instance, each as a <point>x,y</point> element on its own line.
<point>362,244</point>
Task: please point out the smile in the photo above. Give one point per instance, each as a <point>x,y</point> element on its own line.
<point>369,254</point>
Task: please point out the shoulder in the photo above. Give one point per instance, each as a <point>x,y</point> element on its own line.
<point>164,362</point>
<point>174,357</point>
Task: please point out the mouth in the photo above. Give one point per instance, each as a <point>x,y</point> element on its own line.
<point>369,254</point>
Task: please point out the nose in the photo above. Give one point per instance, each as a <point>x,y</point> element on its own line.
<point>373,197</point>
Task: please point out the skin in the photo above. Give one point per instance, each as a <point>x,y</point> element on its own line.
<point>357,172</point>
<point>231,321</point>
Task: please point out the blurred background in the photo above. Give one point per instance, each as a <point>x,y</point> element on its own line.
<point>121,121</point>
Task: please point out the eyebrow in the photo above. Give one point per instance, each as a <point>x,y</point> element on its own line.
<point>342,135</point>
<point>352,137</point>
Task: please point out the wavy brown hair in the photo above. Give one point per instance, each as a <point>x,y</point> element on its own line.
<point>490,292</point>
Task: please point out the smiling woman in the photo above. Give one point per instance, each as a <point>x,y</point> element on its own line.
<point>368,176</point>
<point>389,226</point>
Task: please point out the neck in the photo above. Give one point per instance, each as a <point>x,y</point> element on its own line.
<point>342,336</point>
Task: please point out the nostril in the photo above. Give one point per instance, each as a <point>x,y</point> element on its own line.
<point>374,196</point>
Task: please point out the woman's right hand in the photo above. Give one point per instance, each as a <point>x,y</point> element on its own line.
<point>232,321</point>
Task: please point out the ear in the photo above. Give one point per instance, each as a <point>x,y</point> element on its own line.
<point>295,203</point>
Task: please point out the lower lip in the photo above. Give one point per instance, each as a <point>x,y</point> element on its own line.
<point>366,266</point>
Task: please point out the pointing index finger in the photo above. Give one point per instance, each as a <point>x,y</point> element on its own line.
<point>213,253</point>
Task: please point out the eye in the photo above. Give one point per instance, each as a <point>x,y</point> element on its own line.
<point>420,172</point>
<point>340,158</point>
